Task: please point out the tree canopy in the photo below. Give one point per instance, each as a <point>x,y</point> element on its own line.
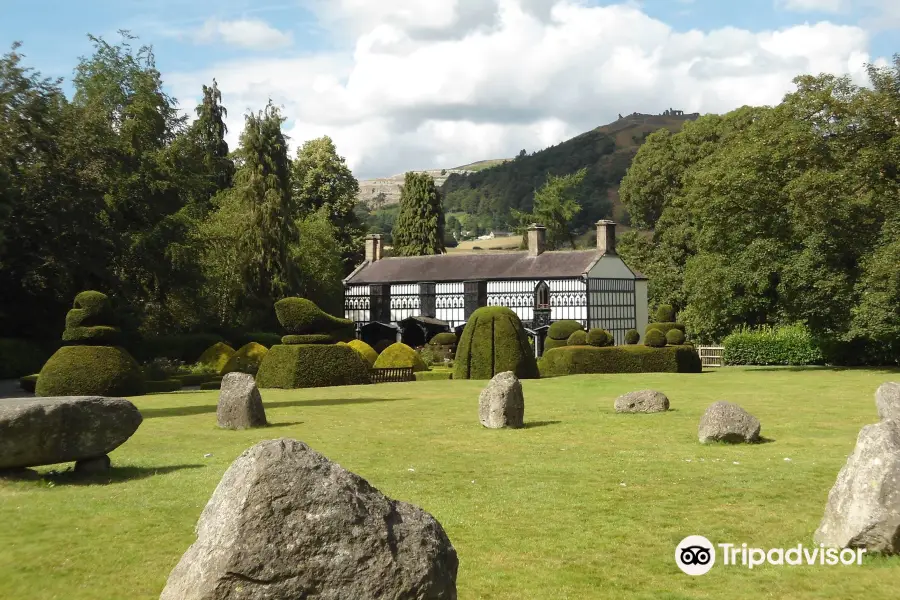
<point>420,225</point>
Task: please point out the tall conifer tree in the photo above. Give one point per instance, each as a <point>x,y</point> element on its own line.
<point>420,225</point>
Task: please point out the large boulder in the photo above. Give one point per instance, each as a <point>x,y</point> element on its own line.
<point>887,401</point>
<point>47,431</point>
<point>727,422</point>
<point>286,522</point>
<point>240,404</point>
<point>863,509</point>
<point>643,401</point>
<point>501,403</point>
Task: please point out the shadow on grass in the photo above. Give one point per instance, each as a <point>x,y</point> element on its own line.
<point>113,475</point>
<point>532,424</point>
<point>187,411</point>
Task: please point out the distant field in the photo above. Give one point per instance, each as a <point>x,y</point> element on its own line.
<point>481,164</point>
<point>503,243</point>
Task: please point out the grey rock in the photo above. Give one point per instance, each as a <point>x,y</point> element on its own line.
<point>727,422</point>
<point>643,401</point>
<point>887,401</point>
<point>285,522</point>
<point>240,405</point>
<point>47,431</point>
<point>863,509</point>
<point>501,403</point>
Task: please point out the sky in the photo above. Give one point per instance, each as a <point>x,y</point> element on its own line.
<point>420,84</point>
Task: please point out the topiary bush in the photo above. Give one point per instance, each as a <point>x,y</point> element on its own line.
<point>290,366</point>
<point>90,371</point>
<point>578,360</point>
<point>665,313</point>
<point>492,342</point>
<point>632,337</point>
<point>578,338</point>
<point>400,355</point>
<point>655,338</point>
<point>600,338</point>
<point>366,351</point>
<point>300,316</point>
<point>790,345</point>
<point>664,327</point>
<point>216,356</point>
<point>434,375</point>
<point>675,337</point>
<point>559,332</point>
<point>445,338</point>
<point>246,359</point>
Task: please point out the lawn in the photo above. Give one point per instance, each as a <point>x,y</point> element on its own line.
<point>583,503</point>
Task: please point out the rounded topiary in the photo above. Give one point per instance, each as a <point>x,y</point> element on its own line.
<point>312,365</point>
<point>655,339</point>
<point>366,351</point>
<point>216,356</point>
<point>632,337</point>
<point>559,332</point>
<point>600,338</point>
<point>246,359</point>
<point>400,355</point>
<point>443,339</point>
<point>665,313</point>
<point>578,338</point>
<point>90,371</point>
<point>382,345</point>
<point>300,316</point>
<point>675,337</point>
<point>492,342</point>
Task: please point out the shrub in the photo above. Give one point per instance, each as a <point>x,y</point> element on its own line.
<point>400,355</point>
<point>675,337</point>
<point>162,386</point>
<point>314,338</point>
<point>632,336</point>
<point>430,355</point>
<point>665,313</point>
<point>28,383</point>
<point>600,338</point>
<point>578,338</point>
<point>216,356</point>
<point>365,351</point>
<point>664,327</point>
<point>492,342</point>
<point>186,348</point>
<point>577,360</point>
<point>309,365</point>
<point>791,345</point>
<point>90,371</point>
<point>382,345</point>
<point>443,339</point>
<point>245,360</point>
<point>161,368</point>
<point>434,375</point>
<point>655,338</point>
<point>21,357</point>
<point>300,316</point>
<point>561,330</point>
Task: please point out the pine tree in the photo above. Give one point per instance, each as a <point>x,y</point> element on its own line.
<point>420,225</point>
<point>209,134</point>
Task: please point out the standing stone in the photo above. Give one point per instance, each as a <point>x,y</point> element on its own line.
<point>286,522</point>
<point>887,400</point>
<point>727,422</point>
<point>643,401</point>
<point>863,509</point>
<point>47,431</point>
<point>501,403</point>
<point>240,405</point>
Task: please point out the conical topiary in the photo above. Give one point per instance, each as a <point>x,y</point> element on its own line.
<point>216,356</point>
<point>492,342</point>
<point>90,364</point>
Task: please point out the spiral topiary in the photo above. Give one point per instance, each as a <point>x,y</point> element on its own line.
<point>655,339</point>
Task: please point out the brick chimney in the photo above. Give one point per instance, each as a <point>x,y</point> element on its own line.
<point>374,247</point>
<point>606,237</point>
<point>537,239</point>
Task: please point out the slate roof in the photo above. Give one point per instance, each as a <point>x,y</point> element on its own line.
<point>470,267</point>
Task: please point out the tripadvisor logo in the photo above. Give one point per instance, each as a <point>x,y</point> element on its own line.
<point>696,555</point>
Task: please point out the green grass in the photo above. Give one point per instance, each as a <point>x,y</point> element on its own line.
<point>481,165</point>
<point>536,513</point>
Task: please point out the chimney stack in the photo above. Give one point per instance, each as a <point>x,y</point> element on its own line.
<point>537,239</point>
<point>373,247</point>
<point>606,237</point>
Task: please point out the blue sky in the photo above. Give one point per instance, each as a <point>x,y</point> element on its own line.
<point>344,67</point>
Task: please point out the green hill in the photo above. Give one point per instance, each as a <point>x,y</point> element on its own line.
<point>606,152</point>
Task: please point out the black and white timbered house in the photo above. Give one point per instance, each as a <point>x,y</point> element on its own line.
<point>411,298</point>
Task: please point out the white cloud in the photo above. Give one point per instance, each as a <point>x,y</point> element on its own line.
<point>252,34</point>
<point>831,6</point>
<point>465,80</point>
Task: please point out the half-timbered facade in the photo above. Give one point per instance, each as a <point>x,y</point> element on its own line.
<point>594,287</point>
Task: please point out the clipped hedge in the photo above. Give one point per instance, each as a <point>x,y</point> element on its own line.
<point>632,337</point>
<point>216,357</point>
<point>434,375</point>
<point>162,386</point>
<point>400,355</point>
<point>28,382</point>
<point>366,351</point>
<point>790,345</point>
<point>492,342</point>
<point>300,316</point>
<point>443,339</point>
<point>22,357</point>
<point>600,338</point>
<point>655,338</point>
<point>310,365</point>
<point>90,371</point>
<point>578,338</point>
<point>246,359</point>
<point>578,360</point>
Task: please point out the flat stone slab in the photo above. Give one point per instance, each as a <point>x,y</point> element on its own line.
<point>47,431</point>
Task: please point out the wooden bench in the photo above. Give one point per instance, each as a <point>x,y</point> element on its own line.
<point>391,374</point>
